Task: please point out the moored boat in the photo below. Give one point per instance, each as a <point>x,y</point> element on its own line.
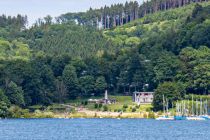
<point>206,117</point>
<point>195,118</point>
<point>165,110</point>
<point>179,118</point>
<point>165,118</point>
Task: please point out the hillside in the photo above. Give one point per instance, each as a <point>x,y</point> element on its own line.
<point>141,29</point>
<point>166,52</point>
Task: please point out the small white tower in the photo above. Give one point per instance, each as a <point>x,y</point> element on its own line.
<point>106,95</point>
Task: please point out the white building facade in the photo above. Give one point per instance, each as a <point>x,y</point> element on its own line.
<point>143,97</point>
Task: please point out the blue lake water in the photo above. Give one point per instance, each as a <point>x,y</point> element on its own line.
<point>103,129</point>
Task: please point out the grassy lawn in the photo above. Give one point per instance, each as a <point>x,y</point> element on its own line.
<point>123,103</point>
<point>118,106</point>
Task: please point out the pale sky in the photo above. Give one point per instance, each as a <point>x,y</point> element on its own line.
<point>35,9</point>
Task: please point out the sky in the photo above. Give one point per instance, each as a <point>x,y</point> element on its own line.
<point>35,9</point>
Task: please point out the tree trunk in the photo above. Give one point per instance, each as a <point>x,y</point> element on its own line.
<point>108,22</point>
<point>114,21</point>
<point>105,22</point>
<point>121,19</point>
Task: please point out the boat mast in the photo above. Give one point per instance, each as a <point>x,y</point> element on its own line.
<point>196,107</point>
<point>184,110</point>
<point>164,105</point>
<point>192,107</point>
<point>167,106</point>
<point>206,107</point>
<point>201,111</point>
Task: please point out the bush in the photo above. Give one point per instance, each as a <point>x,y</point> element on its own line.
<point>137,106</point>
<point>40,114</point>
<point>73,110</point>
<point>148,109</point>
<point>133,109</point>
<point>119,110</point>
<point>4,111</point>
<point>86,103</point>
<point>124,109</point>
<point>145,115</point>
<point>125,106</point>
<point>17,112</point>
<point>171,90</point>
<point>100,105</point>
<point>105,108</point>
<point>151,115</point>
<point>96,106</point>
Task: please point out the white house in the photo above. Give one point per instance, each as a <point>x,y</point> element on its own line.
<point>143,97</point>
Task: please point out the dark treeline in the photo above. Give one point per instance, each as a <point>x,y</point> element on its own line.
<point>120,14</point>
<point>59,62</point>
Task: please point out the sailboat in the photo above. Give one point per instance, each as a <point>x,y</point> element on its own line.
<point>205,116</point>
<point>180,109</point>
<point>196,117</point>
<point>165,110</point>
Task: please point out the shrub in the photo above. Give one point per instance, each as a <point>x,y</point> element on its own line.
<point>86,103</point>
<point>96,105</point>
<point>105,108</point>
<point>133,109</point>
<point>4,111</point>
<point>124,109</point>
<point>151,115</point>
<point>100,105</point>
<point>17,112</point>
<point>72,110</point>
<point>148,109</point>
<point>145,115</point>
<point>137,106</point>
<point>125,106</point>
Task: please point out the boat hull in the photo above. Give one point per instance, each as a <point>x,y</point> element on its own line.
<point>164,118</point>
<point>196,118</point>
<point>179,117</point>
<point>206,117</point>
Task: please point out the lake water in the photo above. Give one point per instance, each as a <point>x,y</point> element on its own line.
<point>103,129</point>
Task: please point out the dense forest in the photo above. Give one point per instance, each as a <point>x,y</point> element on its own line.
<point>165,50</point>
<point>119,14</point>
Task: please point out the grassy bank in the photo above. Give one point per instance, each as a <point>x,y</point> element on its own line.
<point>80,108</point>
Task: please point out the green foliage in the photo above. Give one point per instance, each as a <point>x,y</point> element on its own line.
<point>3,97</point>
<point>133,109</point>
<point>171,91</point>
<point>56,62</point>
<point>14,50</point>
<point>96,106</point>
<point>70,79</point>
<point>86,103</point>
<point>151,115</point>
<point>15,94</point>
<point>4,110</point>
<point>100,85</point>
<point>196,71</point>
<point>86,84</point>
<point>17,112</point>
<point>166,67</point>
<point>100,105</point>
<point>105,108</point>
<point>125,106</point>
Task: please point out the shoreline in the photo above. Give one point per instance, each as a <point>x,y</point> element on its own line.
<point>88,115</point>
